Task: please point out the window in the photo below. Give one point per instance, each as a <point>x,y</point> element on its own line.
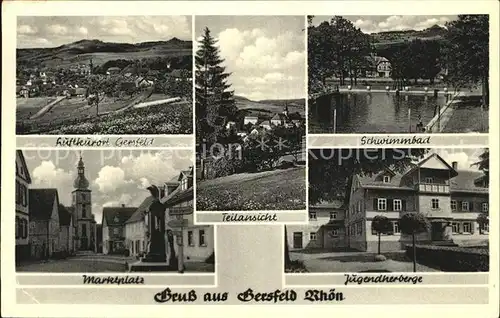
<point>116,231</point>
<point>382,204</point>
<point>435,203</point>
<point>358,206</point>
<point>485,228</point>
<point>455,227</point>
<point>465,206</point>
<point>387,179</point>
<point>190,238</point>
<point>396,228</point>
<point>312,236</point>
<point>453,205</point>
<point>428,180</point>
<point>84,230</point>
<point>467,227</point>
<point>484,207</point>
<point>84,211</point>
<point>398,206</point>
<point>335,232</point>
<point>202,238</point>
<point>333,215</point>
<point>312,215</point>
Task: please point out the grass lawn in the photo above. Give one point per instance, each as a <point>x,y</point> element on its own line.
<point>27,107</point>
<point>468,117</point>
<point>269,190</point>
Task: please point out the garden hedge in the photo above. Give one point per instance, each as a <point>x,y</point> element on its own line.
<point>451,258</point>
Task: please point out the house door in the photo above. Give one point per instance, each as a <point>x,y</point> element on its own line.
<point>436,231</point>
<point>297,239</point>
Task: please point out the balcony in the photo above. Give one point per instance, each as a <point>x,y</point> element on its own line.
<point>433,187</point>
<point>180,210</point>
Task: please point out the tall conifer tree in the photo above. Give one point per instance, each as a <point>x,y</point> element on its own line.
<point>214,100</point>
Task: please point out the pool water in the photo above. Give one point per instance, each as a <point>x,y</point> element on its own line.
<point>371,112</point>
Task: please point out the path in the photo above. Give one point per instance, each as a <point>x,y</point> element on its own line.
<point>439,121</point>
<point>333,262</point>
<point>48,107</point>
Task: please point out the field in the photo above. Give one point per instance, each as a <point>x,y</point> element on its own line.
<point>27,107</point>
<point>81,52</point>
<point>268,107</point>
<point>75,116</point>
<point>270,190</point>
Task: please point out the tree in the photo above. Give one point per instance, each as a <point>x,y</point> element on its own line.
<point>484,163</point>
<point>381,225</point>
<point>483,220</point>
<point>467,52</point>
<point>412,224</point>
<point>331,169</point>
<point>335,48</point>
<point>214,99</point>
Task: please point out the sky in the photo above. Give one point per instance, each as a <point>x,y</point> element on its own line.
<point>116,177</point>
<point>53,31</point>
<point>265,54</point>
<point>464,157</point>
<point>380,23</point>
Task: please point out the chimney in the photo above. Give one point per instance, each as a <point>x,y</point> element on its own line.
<point>454,164</point>
<point>123,205</point>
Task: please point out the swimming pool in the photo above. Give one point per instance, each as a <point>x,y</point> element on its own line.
<point>371,112</point>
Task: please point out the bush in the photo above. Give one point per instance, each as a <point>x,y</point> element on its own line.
<point>380,258</point>
<point>224,166</point>
<point>452,259</point>
<point>296,267</point>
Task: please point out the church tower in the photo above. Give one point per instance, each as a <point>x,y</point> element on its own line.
<point>82,209</point>
<point>285,110</point>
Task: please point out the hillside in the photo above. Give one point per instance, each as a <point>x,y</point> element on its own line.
<point>264,107</point>
<point>82,51</point>
<point>393,37</point>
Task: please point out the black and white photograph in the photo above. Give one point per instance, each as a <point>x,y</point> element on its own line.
<point>398,74</point>
<point>393,210</point>
<point>250,93</point>
<point>108,211</point>
<point>105,75</point>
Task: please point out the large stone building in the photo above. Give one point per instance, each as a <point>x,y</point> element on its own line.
<point>23,181</point>
<point>83,219</point>
<point>449,198</point>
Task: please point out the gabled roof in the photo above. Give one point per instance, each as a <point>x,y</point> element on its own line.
<point>41,203</point>
<point>138,215</point>
<point>465,181</point>
<point>278,116</point>
<point>122,214</point>
<point>265,123</point>
<point>64,216</point>
<point>422,162</point>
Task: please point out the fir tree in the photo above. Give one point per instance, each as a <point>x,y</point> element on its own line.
<point>214,99</point>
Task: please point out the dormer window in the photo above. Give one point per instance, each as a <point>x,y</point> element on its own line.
<point>387,179</point>
<point>428,180</point>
